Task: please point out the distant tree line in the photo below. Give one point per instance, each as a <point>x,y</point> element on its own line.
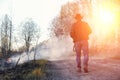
<point>29,32</point>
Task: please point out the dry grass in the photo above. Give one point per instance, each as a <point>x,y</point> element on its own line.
<point>33,70</point>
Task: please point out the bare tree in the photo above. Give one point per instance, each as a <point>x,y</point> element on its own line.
<point>6,35</point>
<point>62,23</point>
<point>29,30</point>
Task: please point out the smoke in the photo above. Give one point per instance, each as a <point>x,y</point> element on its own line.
<point>52,49</point>
<point>57,48</point>
<point>61,48</point>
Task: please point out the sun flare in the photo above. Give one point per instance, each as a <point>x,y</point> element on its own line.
<point>106,17</point>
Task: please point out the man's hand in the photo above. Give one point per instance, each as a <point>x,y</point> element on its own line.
<point>74,48</point>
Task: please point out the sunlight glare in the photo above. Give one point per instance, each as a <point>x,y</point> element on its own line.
<point>106,17</point>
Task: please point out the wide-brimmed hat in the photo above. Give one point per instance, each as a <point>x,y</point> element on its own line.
<point>78,16</point>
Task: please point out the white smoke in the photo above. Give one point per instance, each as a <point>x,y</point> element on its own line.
<point>52,49</point>
<point>58,48</point>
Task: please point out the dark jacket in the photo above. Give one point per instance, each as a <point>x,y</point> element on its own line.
<point>80,31</point>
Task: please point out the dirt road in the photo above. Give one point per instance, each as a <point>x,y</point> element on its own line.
<point>99,69</point>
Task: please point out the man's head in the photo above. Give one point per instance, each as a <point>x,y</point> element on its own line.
<point>78,17</point>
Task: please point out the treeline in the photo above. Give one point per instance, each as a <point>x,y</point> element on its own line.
<point>27,31</point>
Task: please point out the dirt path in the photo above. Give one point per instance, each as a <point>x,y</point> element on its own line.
<point>99,69</point>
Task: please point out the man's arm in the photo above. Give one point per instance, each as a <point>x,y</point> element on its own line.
<point>89,31</point>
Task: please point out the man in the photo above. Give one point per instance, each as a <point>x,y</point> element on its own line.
<point>80,31</point>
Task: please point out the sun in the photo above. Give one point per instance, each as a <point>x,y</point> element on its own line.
<point>106,21</point>
<point>106,17</point>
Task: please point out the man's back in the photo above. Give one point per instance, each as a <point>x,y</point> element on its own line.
<point>80,31</point>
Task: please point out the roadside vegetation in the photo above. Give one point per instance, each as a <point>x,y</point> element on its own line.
<point>33,70</point>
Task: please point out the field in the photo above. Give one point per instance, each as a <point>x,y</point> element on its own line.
<point>99,69</point>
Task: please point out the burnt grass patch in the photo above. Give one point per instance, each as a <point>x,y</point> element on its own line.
<point>32,70</point>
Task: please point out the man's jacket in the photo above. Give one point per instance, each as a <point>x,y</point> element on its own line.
<point>80,31</point>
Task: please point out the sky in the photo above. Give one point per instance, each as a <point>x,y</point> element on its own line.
<point>41,11</point>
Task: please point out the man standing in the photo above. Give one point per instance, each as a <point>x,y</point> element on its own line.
<point>80,31</point>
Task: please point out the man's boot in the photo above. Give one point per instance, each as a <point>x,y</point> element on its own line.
<point>86,69</point>
<point>78,68</point>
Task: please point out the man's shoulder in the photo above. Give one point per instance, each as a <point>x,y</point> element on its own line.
<point>80,23</point>
<point>74,25</point>
<point>85,24</point>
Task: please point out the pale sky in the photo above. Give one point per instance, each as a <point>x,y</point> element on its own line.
<point>42,11</point>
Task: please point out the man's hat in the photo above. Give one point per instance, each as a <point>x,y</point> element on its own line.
<point>78,16</point>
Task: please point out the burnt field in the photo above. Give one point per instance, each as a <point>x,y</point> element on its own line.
<point>99,69</point>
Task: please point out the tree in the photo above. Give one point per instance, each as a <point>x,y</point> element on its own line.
<point>62,23</point>
<point>6,35</point>
<point>29,30</point>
